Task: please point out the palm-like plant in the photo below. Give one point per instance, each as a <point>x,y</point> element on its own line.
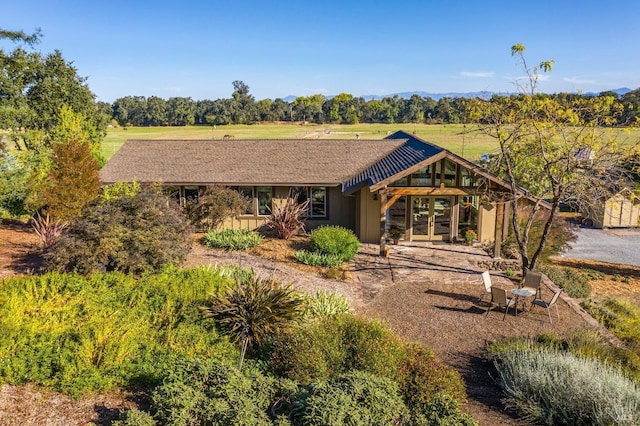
<point>252,310</point>
<point>287,219</point>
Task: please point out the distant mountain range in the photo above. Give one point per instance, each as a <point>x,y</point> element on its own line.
<point>437,96</point>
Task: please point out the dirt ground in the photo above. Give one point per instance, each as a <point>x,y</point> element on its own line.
<point>427,294</point>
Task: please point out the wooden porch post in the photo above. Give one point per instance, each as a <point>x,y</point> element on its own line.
<point>383,221</point>
<point>497,245</point>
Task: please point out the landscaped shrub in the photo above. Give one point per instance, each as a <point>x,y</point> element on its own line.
<point>313,258</point>
<point>205,392</point>
<point>214,205</point>
<point>135,417</point>
<point>335,240</point>
<point>560,388</point>
<point>573,283</point>
<point>586,343</point>
<point>80,334</point>
<point>356,398</point>
<point>232,239</point>
<point>287,219</point>
<point>325,304</point>
<point>136,234</point>
<point>423,377</point>
<point>321,350</point>
<point>441,410</point>
<point>252,311</point>
<point>236,272</point>
<point>619,315</point>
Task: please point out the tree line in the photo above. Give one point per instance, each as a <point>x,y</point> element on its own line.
<point>242,108</point>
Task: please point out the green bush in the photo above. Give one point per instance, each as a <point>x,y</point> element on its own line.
<point>423,377</point>
<point>560,388</point>
<point>321,350</point>
<point>335,240</point>
<point>232,239</point>
<point>133,234</point>
<point>201,392</point>
<point>573,283</point>
<point>313,258</point>
<point>135,417</point>
<point>80,334</point>
<point>326,304</point>
<point>443,410</point>
<point>356,398</point>
<point>620,316</point>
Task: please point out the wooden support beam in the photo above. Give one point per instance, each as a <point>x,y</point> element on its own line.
<point>383,223</point>
<point>434,191</point>
<point>391,202</point>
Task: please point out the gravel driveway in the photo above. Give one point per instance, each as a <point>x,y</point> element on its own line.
<point>606,245</point>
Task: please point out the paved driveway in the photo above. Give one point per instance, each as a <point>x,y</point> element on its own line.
<point>607,245</point>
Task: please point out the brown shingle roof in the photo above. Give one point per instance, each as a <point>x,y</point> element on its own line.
<point>240,162</point>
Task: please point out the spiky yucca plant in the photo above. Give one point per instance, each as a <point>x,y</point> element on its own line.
<point>47,229</point>
<point>288,219</point>
<point>253,310</point>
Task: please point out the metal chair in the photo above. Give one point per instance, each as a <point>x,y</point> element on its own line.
<point>532,282</point>
<point>499,297</point>
<point>486,280</point>
<point>553,302</point>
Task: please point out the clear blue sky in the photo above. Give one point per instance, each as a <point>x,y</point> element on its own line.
<point>197,48</point>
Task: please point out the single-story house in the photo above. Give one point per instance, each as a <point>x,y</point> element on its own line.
<point>369,186</point>
<point>622,210</point>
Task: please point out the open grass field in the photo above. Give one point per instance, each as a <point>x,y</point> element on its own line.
<point>461,139</point>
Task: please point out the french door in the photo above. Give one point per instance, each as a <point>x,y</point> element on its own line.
<point>431,218</point>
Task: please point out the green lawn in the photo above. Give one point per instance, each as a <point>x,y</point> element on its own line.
<point>458,138</point>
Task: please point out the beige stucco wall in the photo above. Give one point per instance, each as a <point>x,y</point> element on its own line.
<point>487,223</point>
<point>368,217</point>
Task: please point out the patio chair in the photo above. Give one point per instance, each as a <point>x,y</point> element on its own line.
<point>553,302</point>
<point>532,282</point>
<point>486,280</point>
<point>499,297</point>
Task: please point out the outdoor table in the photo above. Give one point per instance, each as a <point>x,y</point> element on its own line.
<point>524,293</point>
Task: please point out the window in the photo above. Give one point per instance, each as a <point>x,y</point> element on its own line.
<point>318,204</point>
<point>191,194</point>
<point>247,192</point>
<point>317,196</point>
<point>421,177</point>
<point>265,196</point>
<point>403,181</point>
<point>449,173</point>
<point>467,178</point>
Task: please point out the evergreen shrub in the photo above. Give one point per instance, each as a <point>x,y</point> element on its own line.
<point>232,239</point>
<point>335,240</point>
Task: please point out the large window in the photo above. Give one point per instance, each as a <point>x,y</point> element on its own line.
<point>317,196</point>
<point>247,192</point>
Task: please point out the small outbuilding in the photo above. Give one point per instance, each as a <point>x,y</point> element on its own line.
<point>622,210</point>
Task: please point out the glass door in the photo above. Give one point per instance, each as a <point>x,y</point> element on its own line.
<point>441,219</point>
<point>420,218</point>
<point>431,218</point>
